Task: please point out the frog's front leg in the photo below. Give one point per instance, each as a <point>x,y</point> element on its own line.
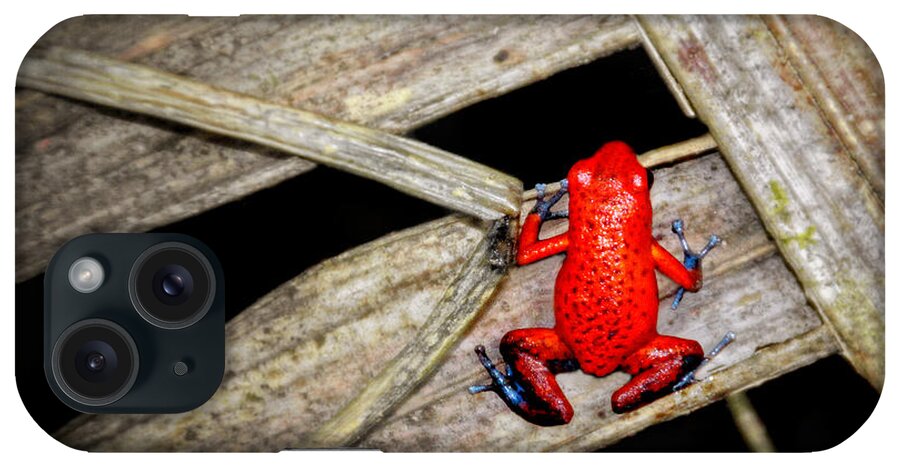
<point>542,207</point>
<point>529,388</point>
<point>691,260</point>
<point>531,248</point>
<point>689,274</point>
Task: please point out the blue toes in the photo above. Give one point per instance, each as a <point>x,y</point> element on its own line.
<point>689,377</point>
<point>542,207</point>
<point>503,384</point>
<point>713,241</point>
<point>691,260</point>
<point>677,300</point>
<point>481,388</point>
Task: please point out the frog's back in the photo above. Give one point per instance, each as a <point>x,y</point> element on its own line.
<point>606,297</point>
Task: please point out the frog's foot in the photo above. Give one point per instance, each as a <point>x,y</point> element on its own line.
<point>656,368</point>
<point>529,385</point>
<point>502,383</point>
<point>691,260</point>
<point>509,389</point>
<point>542,207</point>
<point>689,377</point>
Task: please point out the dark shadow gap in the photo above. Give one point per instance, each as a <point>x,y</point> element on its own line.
<point>537,132</point>
<point>268,238</point>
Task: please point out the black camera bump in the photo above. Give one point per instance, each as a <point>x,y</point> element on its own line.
<point>121,311</point>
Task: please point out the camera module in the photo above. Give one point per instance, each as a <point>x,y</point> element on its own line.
<point>172,285</point>
<point>110,298</point>
<point>95,362</point>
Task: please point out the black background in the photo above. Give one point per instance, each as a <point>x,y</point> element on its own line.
<point>534,133</point>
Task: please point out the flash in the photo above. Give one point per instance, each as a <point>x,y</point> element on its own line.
<point>86,275</point>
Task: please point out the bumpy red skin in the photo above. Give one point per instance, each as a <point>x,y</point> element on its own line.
<point>605,300</point>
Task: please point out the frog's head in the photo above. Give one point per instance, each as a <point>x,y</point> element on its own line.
<point>614,167</point>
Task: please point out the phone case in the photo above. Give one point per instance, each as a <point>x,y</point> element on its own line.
<point>397,281</point>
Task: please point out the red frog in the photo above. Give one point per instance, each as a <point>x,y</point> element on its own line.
<point>605,299</point>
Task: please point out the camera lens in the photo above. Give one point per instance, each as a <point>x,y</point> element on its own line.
<point>172,285</point>
<point>95,362</point>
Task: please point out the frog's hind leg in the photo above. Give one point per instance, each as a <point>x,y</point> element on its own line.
<point>656,368</point>
<point>529,388</point>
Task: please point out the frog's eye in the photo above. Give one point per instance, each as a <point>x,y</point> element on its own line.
<point>649,179</point>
